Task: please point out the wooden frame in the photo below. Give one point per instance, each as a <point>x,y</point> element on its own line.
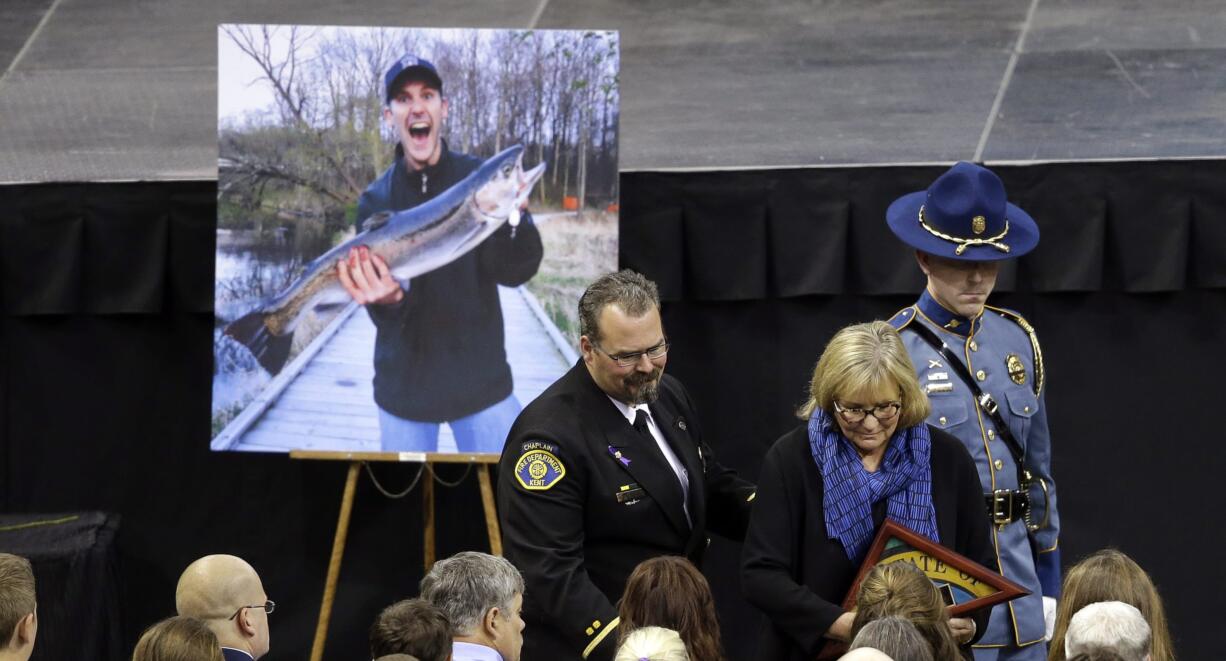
<point>941,565</point>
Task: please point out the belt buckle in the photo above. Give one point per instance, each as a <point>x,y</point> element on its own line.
<point>1002,507</point>
<point>988,404</point>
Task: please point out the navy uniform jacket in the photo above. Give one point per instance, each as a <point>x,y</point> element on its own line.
<point>999,349</point>
<point>576,518</point>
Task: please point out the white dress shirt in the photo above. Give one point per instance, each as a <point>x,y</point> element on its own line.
<point>683,476</point>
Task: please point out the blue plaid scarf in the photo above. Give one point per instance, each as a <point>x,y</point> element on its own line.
<point>904,478</point>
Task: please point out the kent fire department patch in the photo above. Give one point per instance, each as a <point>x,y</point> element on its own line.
<point>538,470</point>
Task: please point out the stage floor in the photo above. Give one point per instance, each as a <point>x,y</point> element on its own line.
<point>126,89</point>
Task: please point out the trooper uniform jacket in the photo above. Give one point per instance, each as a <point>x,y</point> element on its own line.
<point>1000,350</point>
<point>583,498</point>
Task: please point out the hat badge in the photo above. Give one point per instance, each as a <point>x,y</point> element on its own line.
<point>979,224</point>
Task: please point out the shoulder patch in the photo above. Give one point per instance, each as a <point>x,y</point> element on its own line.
<point>901,318</point>
<point>538,469</point>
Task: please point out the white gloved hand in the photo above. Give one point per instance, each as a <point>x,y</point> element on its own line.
<point>1049,616</point>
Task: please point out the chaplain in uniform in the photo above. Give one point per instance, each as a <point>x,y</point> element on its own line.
<point>982,369</point>
<point>607,468</point>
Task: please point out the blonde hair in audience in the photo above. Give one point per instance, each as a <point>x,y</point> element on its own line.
<point>1109,575</point>
<point>866,357</point>
<point>653,644</point>
<point>901,589</point>
<point>16,594</point>
<point>178,638</point>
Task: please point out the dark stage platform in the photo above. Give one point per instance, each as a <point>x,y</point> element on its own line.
<point>127,89</point>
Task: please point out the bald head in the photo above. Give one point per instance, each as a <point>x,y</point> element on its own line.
<point>213,589</point>
<point>216,585</point>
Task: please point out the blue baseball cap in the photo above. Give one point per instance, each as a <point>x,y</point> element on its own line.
<point>964,215</point>
<point>409,65</point>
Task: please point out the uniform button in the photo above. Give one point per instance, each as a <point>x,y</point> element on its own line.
<point>974,346</point>
<point>941,420</point>
<point>981,375</point>
<point>991,434</point>
<point>1025,409</point>
<point>1000,465</point>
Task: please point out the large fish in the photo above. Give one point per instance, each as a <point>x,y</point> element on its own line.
<point>412,242</point>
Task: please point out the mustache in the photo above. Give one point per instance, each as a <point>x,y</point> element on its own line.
<point>639,378</point>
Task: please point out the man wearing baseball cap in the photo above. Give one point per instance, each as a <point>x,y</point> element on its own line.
<point>439,347</point>
<point>982,369</point>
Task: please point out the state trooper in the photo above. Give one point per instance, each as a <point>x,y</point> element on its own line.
<point>982,368</point>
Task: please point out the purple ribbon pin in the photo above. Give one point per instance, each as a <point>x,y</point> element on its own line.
<point>618,456</point>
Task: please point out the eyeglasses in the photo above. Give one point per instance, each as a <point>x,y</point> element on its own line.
<point>268,607</point>
<point>882,412</point>
<point>631,359</point>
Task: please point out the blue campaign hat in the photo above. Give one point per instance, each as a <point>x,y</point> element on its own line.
<point>402,68</point>
<point>964,215</point>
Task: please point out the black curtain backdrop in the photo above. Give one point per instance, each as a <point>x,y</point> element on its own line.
<point>106,366</point>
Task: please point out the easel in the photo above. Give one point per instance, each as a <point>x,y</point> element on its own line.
<point>356,459</point>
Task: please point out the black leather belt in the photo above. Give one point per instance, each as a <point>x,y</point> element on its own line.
<point>1006,505</point>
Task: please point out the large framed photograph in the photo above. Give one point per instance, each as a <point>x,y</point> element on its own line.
<point>406,219</point>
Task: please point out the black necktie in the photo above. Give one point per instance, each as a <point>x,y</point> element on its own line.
<point>640,425</point>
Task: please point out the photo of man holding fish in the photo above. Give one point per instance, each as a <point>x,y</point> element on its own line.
<point>450,305</point>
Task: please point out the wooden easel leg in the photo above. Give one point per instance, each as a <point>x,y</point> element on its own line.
<point>427,516</point>
<point>334,565</point>
<point>491,515</point>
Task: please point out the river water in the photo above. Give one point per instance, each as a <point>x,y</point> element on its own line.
<point>250,268</point>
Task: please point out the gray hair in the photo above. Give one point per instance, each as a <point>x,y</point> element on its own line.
<point>896,637</point>
<point>468,584</point>
<point>1108,626</point>
<point>630,291</point>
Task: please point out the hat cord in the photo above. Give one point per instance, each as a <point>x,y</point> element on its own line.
<point>994,241</point>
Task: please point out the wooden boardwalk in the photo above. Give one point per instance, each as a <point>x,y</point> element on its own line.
<point>324,400</point>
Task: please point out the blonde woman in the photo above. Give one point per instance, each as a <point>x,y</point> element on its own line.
<point>178,638</point>
<point>863,454</point>
<point>901,589</point>
<point>652,644</point>
<point>1110,575</point>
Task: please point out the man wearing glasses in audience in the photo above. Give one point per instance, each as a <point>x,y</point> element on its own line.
<point>225,592</point>
<point>607,468</point>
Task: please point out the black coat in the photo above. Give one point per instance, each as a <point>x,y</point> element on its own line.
<point>798,576</point>
<point>577,541</point>
<point>439,352</point>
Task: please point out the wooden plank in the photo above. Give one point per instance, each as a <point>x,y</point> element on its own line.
<point>250,415</point>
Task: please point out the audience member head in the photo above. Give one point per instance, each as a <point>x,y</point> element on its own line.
<point>653,644</point>
<point>482,596</point>
<point>178,639</point>
<point>412,626</point>
<point>397,657</point>
<point>670,592</point>
<point>866,654</point>
<point>18,616</point>
<point>1110,575</point>
<point>901,589</point>
<point>894,637</point>
<point>1108,626</point>
<point>225,592</point>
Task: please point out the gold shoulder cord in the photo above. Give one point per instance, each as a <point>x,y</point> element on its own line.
<point>1039,372</point>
